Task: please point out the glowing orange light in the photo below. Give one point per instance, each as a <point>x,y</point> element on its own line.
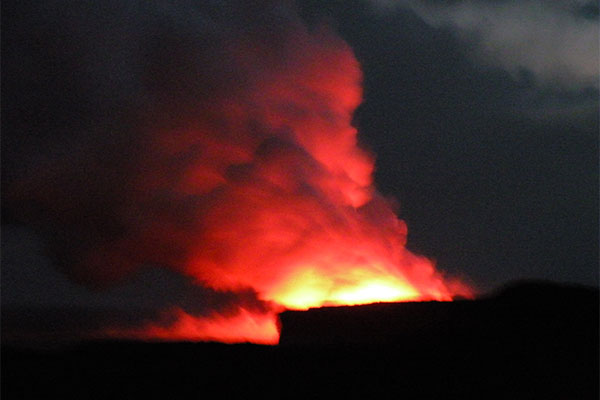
<point>311,288</point>
<point>242,327</point>
<point>374,291</point>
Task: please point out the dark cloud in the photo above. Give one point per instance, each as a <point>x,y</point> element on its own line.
<point>41,303</point>
<point>88,89</point>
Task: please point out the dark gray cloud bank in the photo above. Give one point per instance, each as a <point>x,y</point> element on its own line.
<point>483,117</point>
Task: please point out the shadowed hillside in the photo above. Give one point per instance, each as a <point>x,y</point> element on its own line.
<point>520,315</point>
<point>528,341</point>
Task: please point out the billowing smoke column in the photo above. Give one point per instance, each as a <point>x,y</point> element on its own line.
<point>232,160</point>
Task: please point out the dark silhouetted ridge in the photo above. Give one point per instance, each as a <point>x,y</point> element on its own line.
<point>522,314</point>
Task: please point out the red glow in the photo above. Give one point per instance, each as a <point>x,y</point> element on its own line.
<point>308,289</point>
<point>278,197</point>
<point>242,327</point>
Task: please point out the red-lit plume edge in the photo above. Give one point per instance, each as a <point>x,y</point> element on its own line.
<point>247,174</point>
<point>288,204</point>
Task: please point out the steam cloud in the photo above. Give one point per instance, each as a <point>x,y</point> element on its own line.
<point>211,141</point>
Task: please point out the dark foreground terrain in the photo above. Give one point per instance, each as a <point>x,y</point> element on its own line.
<point>529,341</point>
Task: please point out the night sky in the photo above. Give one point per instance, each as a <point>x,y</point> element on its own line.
<point>482,117</point>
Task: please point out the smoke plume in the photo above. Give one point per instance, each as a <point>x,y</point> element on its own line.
<point>211,141</point>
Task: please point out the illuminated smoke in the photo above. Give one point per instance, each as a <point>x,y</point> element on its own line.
<point>234,163</point>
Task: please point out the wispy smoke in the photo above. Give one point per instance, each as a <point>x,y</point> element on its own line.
<point>557,41</point>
